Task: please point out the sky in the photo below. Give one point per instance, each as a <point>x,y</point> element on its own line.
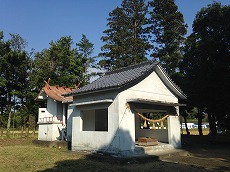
<point>41,21</point>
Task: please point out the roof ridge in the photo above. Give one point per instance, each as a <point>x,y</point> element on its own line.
<point>118,78</point>
<point>130,67</point>
<point>170,79</point>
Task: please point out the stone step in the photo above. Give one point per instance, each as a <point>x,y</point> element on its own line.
<point>151,149</point>
<point>157,155</point>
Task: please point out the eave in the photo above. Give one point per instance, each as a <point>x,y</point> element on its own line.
<point>154,102</point>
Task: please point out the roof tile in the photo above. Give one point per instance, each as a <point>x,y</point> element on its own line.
<point>117,78</point>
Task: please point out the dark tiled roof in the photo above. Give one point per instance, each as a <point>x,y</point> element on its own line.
<point>118,78</point>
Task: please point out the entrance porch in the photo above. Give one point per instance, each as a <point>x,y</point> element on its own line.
<point>164,130</point>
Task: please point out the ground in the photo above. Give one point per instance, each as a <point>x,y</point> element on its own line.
<point>203,154</point>
<point>207,152</point>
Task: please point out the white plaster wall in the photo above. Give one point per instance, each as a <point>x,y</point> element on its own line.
<point>96,140</point>
<point>57,131</point>
<point>151,88</point>
<point>70,115</point>
<point>87,140</point>
<point>117,139</point>
<point>43,132</point>
<point>64,112</point>
<point>174,131</point>
<point>94,97</point>
<point>126,134</point>
<point>42,112</point>
<point>53,109</point>
<point>49,132</point>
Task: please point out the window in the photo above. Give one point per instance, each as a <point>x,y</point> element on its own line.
<point>95,120</point>
<point>101,120</point>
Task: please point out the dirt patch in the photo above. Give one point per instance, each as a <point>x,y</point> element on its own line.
<point>16,141</point>
<point>54,144</point>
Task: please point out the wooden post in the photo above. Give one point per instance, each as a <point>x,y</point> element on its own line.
<point>22,132</point>
<point>33,133</point>
<point>2,133</point>
<point>27,132</point>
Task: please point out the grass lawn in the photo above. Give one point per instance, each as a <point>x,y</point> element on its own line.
<point>195,131</point>
<point>27,157</point>
<point>32,158</point>
<point>20,155</point>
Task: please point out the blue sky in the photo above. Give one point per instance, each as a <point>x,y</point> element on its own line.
<point>41,21</point>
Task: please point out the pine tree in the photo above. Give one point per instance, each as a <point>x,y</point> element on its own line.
<point>125,40</point>
<point>85,49</point>
<point>62,63</point>
<point>14,72</point>
<point>168,28</point>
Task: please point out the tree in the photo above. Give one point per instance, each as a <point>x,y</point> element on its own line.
<point>184,114</point>
<point>168,30</point>
<point>41,69</point>
<point>206,64</point>
<point>66,66</point>
<point>62,63</point>
<point>14,68</point>
<point>85,49</point>
<point>4,49</point>
<point>200,116</point>
<point>17,43</point>
<point>126,39</point>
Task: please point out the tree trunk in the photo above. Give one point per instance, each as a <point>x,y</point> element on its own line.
<point>33,133</point>
<point>212,124</point>
<point>8,125</point>
<point>14,115</point>
<point>13,124</point>
<point>27,132</point>
<point>2,132</point>
<point>22,129</point>
<point>9,103</point>
<point>199,117</point>
<point>186,126</point>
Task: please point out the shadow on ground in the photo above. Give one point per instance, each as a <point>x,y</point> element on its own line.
<point>210,152</point>
<point>205,154</point>
<point>89,163</point>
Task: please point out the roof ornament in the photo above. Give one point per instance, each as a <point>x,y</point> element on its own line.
<point>49,80</point>
<point>48,83</point>
<point>77,86</point>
